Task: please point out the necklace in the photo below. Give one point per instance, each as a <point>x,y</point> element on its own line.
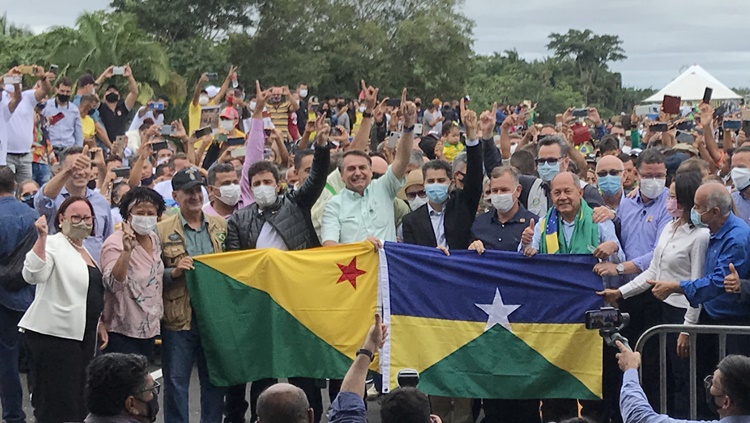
<point>76,246</point>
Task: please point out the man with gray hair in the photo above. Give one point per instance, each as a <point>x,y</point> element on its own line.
<point>284,403</point>
<point>727,253</point>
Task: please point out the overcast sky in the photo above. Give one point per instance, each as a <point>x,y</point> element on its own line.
<point>660,37</point>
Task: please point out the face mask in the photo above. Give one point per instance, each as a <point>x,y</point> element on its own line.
<point>502,202</point>
<point>28,199</point>
<point>711,402</point>
<point>112,97</point>
<point>741,177</point>
<point>547,172</point>
<point>162,161</point>
<point>672,208</point>
<point>203,100</point>
<point>626,149</point>
<point>362,109</point>
<point>340,105</point>
<point>147,182</point>
<point>652,187</point>
<point>91,184</point>
<point>252,105</point>
<point>265,195</point>
<point>229,194</point>
<point>695,217</point>
<point>63,98</point>
<point>79,231</point>
<point>92,112</point>
<point>621,140</point>
<point>143,225</point>
<point>417,202</point>
<point>276,99</point>
<point>152,407</point>
<point>41,106</point>
<point>609,185</point>
<point>437,193</point>
<point>303,93</point>
<point>227,125</point>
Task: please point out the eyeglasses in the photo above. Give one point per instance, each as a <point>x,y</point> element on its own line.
<point>413,195</point>
<point>613,172</point>
<point>550,161</point>
<point>77,219</point>
<point>708,382</point>
<point>154,389</point>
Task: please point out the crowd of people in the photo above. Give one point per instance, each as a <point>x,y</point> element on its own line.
<point>104,205</point>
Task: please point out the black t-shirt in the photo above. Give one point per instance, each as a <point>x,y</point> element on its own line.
<point>115,122</point>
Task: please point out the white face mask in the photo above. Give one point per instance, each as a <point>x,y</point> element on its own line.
<point>502,202</point>
<point>203,100</point>
<point>143,225</point>
<point>652,187</point>
<point>227,125</point>
<point>362,109</point>
<point>626,149</point>
<point>229,194</point>
<point>265,195</point>
<point>417,202</point>
<point>741,177</point>
<point>303,93</point>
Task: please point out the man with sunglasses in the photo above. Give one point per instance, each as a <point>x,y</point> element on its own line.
<point>119,389</point>
<point>727,391</point>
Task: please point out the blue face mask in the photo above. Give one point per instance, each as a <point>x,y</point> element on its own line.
<point>610,184</point>
<point>548,171</point>
<point>695,217</point>
<point>436,193</point>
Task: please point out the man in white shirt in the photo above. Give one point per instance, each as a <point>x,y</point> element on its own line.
<point>153,110</point>
<point>19,124</point>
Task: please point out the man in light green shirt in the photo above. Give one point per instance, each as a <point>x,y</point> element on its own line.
<point>364,209</point>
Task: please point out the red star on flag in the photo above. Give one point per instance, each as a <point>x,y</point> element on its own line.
<point>350,273</point>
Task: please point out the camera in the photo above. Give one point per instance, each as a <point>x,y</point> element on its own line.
<point>407,378</point>
<point>609,321</point>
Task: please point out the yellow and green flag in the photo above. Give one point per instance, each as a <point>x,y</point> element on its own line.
<point>270,313</point>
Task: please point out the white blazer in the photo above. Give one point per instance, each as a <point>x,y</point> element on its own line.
<point>62,283</point>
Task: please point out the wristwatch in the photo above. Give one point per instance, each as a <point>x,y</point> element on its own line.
<point>408,129</point>
<point>368,353</point>
<point>620,269</point>
<point>366,115</point>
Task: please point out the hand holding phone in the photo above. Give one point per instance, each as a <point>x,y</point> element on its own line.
<point>118,70</point>
<point>707,95</point>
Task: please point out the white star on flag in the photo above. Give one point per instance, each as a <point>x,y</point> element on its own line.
<point>497,312</point>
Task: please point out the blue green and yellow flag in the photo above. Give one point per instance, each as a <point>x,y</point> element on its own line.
<point>275,314</point>
<point>499,325</point>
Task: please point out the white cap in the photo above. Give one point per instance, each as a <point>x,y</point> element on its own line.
<point>212,90</point>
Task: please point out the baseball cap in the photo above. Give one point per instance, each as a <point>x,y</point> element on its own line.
<point>229,113</point>
<point>186,179</point>
<point>212,90</point>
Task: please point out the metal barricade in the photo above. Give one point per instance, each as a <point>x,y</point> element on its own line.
<point>692,330</point>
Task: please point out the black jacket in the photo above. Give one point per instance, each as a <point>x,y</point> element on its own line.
<point>460,210</point>
<point>290,216</point>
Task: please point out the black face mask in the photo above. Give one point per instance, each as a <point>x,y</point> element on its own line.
<point>91,184</point>
<point>63,98</point>
<point>28,199</point>
<point>153,408</point>
<point>147,182</point>
<point>41,106</point>
<point>711,402</point>
<point>112,97</point>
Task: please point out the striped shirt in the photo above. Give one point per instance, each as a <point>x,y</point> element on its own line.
<point>280,116</point>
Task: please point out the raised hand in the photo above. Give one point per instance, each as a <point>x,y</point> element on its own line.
<point>41,227</point>
<point>470,123</point>
<point>371,97</point>
<point>128,237</point>
<point>528,234</point>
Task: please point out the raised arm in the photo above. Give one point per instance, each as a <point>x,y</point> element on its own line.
<point>293,106</point>
<point>132,88</point>
<point>707,117</point>
<point>256,141</point>
<point>315,184</point>
<point>225,85</point>
<point>198,87</point>
<point>403,151</point>
<point>362,137</point>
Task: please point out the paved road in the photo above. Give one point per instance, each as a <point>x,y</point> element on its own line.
<point>373,407</point>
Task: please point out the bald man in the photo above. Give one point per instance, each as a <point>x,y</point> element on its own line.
<point>609,172</point>
<point>727,247</point>
<point>284,403</point>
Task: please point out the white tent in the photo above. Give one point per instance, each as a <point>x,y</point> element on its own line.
<point>691,85</point>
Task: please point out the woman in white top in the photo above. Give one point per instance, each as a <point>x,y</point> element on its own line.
<point>680,255</point>
<point>61,323</point>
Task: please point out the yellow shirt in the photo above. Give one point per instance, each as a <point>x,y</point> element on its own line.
<point>451,151</point>
<point>194,115</point>
<point>89,127</point>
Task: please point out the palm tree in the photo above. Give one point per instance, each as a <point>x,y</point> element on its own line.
<point>102,39</point>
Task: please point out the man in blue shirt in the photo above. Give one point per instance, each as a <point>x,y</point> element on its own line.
<point>727,391</point>
<point>728,245</point>
<point>17,220</point>
<point>65,128</point>
<point>74,174</point>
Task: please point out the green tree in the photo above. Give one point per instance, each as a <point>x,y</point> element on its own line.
<point>101,39</point>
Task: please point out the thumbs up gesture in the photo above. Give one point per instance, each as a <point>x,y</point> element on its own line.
<point>528,234</point>
<point>732,280</point>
